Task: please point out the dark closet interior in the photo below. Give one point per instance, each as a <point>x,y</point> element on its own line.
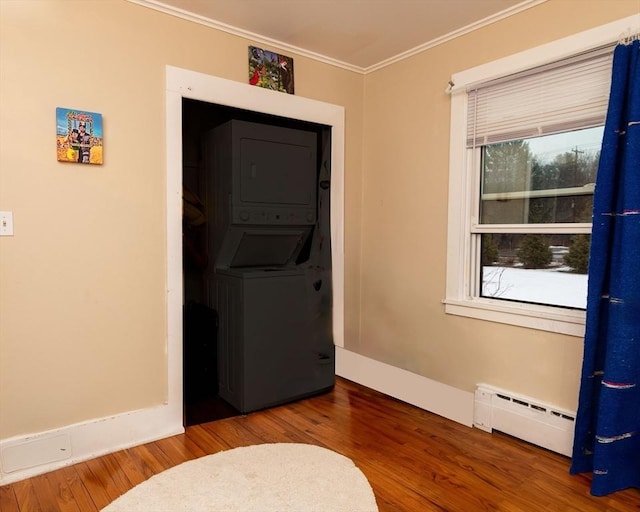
<point>256,261</point>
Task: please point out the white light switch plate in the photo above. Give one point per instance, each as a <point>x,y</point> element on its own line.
<point>6,223</point>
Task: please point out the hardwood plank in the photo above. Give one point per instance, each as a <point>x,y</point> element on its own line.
<point>94,487</point>
<point>414,460</point>
<point>26,496</point>
<point>116,473</point>
<point>45,494</point>
<point>262,427</point>
<point>206,440</point>
<point>177,451</point>
<point>62,491</point>
<point>133,470</point>
<point>78,489</point>
<point>98,482</point>
<point>8,500</point>
<point>150,458</point>
<point>231,430</point>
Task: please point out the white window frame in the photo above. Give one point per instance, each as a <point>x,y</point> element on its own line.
<point>462,294</point>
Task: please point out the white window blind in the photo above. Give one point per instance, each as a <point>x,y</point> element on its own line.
<point>561,96</point>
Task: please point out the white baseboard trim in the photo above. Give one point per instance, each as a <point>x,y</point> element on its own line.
<point>26,456</point>
<point>34,454</point>
<point>431,395</point>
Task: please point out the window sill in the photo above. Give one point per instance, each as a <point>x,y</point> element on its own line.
<point>558,320</point>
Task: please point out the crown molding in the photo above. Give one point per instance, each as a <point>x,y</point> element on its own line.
<point>256,38</point>
<point>279,45</point>
<point>522,6</point>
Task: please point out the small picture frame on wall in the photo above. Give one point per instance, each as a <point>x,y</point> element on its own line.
<point>270,70</point>
<point>78,136</point>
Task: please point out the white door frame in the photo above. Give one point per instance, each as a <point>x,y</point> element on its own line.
<point>182,83</point>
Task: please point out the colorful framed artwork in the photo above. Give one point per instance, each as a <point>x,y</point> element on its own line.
<point>270,70</point>
<point>78,136</point>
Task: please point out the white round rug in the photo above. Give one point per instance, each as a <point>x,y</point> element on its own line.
<point>282,477</point>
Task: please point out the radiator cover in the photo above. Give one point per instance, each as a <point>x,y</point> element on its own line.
<point>523,417</point>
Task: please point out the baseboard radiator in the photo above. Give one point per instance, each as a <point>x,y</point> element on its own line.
<point>525,418</point>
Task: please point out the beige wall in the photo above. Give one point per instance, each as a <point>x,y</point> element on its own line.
<point>404,218</point>
<point>82,282</point>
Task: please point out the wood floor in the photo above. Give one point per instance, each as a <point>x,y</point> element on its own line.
<point>414,460</point>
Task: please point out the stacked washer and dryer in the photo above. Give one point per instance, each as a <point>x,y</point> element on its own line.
<point>270,281</point>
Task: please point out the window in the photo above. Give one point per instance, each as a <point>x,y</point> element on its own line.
<point>534,218</point>
<point>525,141</point>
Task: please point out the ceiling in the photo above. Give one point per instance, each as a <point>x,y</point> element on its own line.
<point>356,34</point>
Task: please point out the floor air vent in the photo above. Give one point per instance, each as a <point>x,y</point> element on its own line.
<point>531,420</point>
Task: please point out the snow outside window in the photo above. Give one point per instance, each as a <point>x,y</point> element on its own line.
<point>526,133</point>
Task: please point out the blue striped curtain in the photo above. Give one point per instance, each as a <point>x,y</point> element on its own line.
<point>607,430</point>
